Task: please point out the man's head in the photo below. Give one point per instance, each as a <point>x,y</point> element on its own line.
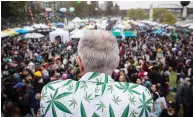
<point>98,52</point>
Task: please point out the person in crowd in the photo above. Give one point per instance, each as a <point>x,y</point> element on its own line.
<point>182,96</point>
<point>35,104</point>
<point>170,111</point>
<point>96,64</point>
<point>10,109</point>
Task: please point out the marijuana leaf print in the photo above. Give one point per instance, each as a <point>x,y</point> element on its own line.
<point>132,99</point>
<point>73,102</point>
<point>111,112</point>
<point>145,107</point>
<point>116,100</point>
<point>133,114</point>
<point>95,115</point>
<point>88,97</point>
<point>71,87</point>
<point>82,110</point>
<point>101,106</point>
<point>67,83</point>
<point>110,88</point>
<point>94,75</point>
<point>126,87</point>
<point>84,85</point>
<point>54,103</point>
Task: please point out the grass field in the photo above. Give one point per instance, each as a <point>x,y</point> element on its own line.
<point>170,96</point>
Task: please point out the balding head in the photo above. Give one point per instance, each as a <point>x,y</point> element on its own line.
<point>98,51</point>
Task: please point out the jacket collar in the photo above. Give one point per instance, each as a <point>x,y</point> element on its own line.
<point>96,77</point>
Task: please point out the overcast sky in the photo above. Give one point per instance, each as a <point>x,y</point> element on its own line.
<point>146,4</point>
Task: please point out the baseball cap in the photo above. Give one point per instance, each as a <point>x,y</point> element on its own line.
<point>38,74</point>
<point>19,85</point>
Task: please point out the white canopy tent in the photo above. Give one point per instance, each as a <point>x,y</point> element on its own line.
<point>15,29</point>
<point>33,35</point>
<point>28,28</point>
<point>60,32</point>
<point>77,35</point>
<point>4,34</point>
<point>191,26</point>
<point>74,31</point>
<point>38,26</point>
<point>76,20</point>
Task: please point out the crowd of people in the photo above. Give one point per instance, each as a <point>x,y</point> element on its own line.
<point>148,60</point>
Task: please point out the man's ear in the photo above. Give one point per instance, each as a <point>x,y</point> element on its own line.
<point>79,61</point>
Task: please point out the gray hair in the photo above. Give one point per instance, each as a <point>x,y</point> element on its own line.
<point>99,51</point>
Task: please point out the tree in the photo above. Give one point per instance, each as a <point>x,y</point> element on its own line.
<point>137,14</point>
<point>81,10</point>
<point>109,10</point>
<point>164,16</point>
<point>13,8</point>
<point>116,9</point>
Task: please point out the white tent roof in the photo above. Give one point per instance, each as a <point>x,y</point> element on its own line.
<point>74,31</point>
<point>38,26</point>
<point>76,20</point>
<point>4,34</point>
<point>59,32</point>
<point>191,26</point>
<point>33,35</point>
<point>28,28</point>
<point>77,35</point>
<point>15,29</point>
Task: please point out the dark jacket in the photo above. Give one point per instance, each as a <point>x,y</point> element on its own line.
<point>182,94</point>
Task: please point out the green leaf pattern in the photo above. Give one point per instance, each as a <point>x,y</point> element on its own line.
<point>116,100</point>
<point>101,106</point>
<point>63,99</point>
<point>145,105</point>
<point>88,97</point>
<point>126,87</point>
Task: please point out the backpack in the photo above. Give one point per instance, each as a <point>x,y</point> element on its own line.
<point>159,104</point>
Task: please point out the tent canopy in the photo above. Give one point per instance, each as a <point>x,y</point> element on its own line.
<point>59,24</point>
<point>76,20</point>
<point>59,32</point>
<point>130,34</point>
<point>33,35</point>
<point>4,34</point>
<point>22,31</point>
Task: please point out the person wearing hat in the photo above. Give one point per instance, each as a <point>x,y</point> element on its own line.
<point>170,111</point>
<point>38,81</point>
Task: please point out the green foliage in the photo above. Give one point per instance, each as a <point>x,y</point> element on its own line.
<point>10,8</point>
<point>164,16</point>
<point>136,14</point>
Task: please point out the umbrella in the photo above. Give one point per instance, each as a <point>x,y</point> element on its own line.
<point>130,34</point>
<point>157,31</point>
<point>33,35</point>
<point>4,34</point>
<point>59,24</point>
<point>28,29</point>
<point>11,33</point>
<point>22,31</point>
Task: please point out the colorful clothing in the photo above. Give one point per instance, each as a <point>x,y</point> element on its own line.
<point>95,95</point>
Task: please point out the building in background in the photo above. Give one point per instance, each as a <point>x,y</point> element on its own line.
<point>103,5</point>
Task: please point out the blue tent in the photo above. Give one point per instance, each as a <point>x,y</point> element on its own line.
<point>59,24</point>
<point>130,34</point>
<point>22,31</point>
